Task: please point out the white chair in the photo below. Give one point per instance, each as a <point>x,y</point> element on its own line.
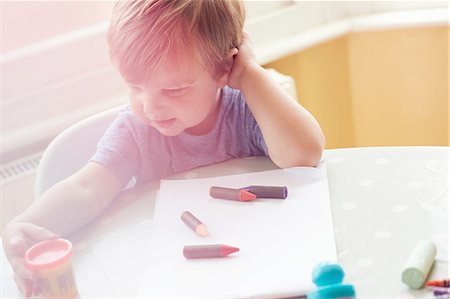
<point>73,147</point>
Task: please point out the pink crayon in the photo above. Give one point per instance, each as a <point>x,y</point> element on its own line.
<point>231,194</point>
<point>208,251</point>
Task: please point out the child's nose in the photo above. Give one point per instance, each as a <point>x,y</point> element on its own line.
<point>152,107</point>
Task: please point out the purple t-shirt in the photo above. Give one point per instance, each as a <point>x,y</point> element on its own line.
<point>130,148</point>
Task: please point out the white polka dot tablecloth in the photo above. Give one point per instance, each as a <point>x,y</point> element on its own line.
<point>384,200</point>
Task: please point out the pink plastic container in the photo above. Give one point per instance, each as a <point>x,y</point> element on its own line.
<point>52,261</point>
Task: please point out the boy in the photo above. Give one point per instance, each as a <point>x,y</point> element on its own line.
<point>197,97</point>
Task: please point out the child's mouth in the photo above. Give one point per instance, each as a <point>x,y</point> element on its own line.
<point>164,123</point>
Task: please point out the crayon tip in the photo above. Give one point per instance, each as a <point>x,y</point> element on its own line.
<point>246,196</point>
<point>438,283</point>
<point>201,230</point>
<point>226,250</point>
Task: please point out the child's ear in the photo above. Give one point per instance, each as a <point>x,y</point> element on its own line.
<point>223,79</point>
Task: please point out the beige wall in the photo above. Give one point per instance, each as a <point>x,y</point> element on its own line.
<point>377,88</point>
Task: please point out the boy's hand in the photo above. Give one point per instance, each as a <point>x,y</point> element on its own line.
<point>244,58</point>
<point>17,238</point>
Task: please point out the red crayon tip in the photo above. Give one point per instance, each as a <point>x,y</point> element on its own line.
<point>439,283</point>
<point>246,196</point>
<point>226,250</point>
<point>208,251</point>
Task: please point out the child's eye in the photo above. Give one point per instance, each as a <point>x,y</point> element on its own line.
<point>175,92</point>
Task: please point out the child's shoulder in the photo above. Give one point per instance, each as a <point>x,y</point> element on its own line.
<point>126,118</point>
<point>232,97</point>
<point>234,104</point>
<point>230,93</point>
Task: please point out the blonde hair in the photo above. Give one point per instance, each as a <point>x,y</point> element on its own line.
<point>143,34</point>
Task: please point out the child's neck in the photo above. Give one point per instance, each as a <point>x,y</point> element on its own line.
<point>208,124</point>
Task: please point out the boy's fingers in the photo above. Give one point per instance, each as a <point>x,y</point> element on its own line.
<point>18,245</point>
<point>28,288</point>
<point>18,265</point>
<point>19,283</point>
<point>24,286</point>
<point>37,233</point>
<point>36,290</point>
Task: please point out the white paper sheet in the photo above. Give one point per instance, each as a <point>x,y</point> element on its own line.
<point>280,241</point>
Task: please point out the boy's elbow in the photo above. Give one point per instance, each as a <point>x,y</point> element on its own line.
<point>311,157</point>
<point>305,155</point>
<point>308,157</point>
<point>315,152</point>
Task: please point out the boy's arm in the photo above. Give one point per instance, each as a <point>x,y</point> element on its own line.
<point>67,206</point>
<point>292,135</point>
<point>75,201</point>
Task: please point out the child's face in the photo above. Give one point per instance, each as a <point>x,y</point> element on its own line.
<point>173,98</point>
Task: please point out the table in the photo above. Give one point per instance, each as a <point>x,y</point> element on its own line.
<point>384,200</point>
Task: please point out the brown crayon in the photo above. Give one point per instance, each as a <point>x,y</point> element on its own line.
<point>193,223</point>
<point>231,194</point>
<point>268,191</point>
<point>208,251</point>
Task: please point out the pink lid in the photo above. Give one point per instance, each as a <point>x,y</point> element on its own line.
<point>48,254</point>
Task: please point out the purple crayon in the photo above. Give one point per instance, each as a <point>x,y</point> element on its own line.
<point>280,192</point>
<point>441,292</point>
<point>440,289</point>
<point>231,194</point>
<point>208,251</point>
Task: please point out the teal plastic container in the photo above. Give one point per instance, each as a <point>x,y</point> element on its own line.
<point>328,278</point>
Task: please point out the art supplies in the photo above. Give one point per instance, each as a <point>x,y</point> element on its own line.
<point>231,194</point>
<point>279,192</point>
<point>208,251</point>
<point>193,223</point>
<point>52,261</point>
<point>328,278</point>
<point>439,292</point>
<point>249,193</point>
<point>419,264</point>
<point>439,283</point>
<point>274,236</point>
